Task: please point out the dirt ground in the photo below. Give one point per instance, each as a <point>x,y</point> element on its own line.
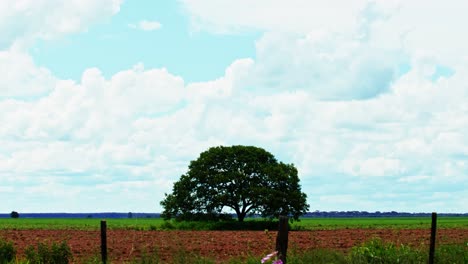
<point>124,245</point>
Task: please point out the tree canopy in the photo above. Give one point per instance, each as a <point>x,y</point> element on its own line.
<point>246,179</point>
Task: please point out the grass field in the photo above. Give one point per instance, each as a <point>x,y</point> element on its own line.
<point>388,222</point>
<point>304,224</point>
<point>80,224</point>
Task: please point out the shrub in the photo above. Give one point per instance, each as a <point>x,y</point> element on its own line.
<point>376,251</point>
<point>220,225</point>
<point>451,254</point>
<point>183,257</point>
<point>167,225</point>
<point>14,214</point>
<point>53,254</point>
<point>149,258</point>
<point>316,256</point>
<point>7,252</point>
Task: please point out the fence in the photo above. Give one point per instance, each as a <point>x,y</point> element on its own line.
<point>281,239</point>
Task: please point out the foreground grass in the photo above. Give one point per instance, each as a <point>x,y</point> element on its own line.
<point>304,224</point>
<point>374,251</point>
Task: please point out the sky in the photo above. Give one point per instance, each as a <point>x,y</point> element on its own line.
<point>104,103</point>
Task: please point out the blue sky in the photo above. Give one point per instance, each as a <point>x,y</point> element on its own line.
<point>113,45</point>
<point>104,103</point>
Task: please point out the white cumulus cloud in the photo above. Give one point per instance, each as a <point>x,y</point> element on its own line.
<point>146,25</point>
<point>345,91</point>
<point>21,78</point>
<point>47,19</point>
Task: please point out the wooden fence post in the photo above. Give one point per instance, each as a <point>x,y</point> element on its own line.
<point>104,241</point>
<point>433,238</point>
<point>282,238</point>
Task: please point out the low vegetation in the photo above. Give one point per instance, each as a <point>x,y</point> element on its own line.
<point>7,251</point>
<point>48,254</point>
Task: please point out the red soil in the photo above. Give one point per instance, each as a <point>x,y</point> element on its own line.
<point>124,245</point>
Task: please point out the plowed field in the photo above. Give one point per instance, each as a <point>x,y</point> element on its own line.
<point>125,245</point>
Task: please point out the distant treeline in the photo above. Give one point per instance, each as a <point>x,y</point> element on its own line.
<point>111,215</point>
<point>316,214</point>
<point>337,214</point>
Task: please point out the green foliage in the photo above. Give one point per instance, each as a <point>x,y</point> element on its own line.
<point>259,225</point>
<point>184,257</point>
<point>167,225</point>
<point>247,179</point>
<point>45,254</point>
<point>204,217</point>
<point>149,258</point>
<point>376,251</point>
<point>250,260</point>
<point>96,259</point>
<point>451,253</point>
<point>14,214</point>
<point>7,252</point>
<point>316,256</point>
<point>220,225</point>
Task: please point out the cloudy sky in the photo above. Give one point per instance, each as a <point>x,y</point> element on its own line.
<point>104,103</point>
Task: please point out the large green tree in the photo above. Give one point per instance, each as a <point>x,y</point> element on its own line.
<point>246,179</point>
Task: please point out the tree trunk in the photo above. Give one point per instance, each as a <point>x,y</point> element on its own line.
<point>240,217</point>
